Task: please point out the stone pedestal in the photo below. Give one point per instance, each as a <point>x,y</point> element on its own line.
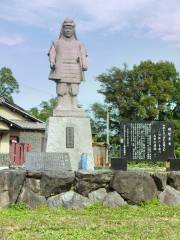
<point>70,132</point>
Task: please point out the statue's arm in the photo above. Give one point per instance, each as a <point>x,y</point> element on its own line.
<point>52,56</point>
<point>83,57</point>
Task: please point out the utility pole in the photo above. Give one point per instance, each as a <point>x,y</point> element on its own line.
<point>107,137</point>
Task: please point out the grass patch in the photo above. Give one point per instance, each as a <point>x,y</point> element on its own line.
<point>146,164</point>
<point>153,167</point>
<point>148,221</point>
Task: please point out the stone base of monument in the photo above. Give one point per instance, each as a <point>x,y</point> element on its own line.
<point>79,112</point>
<point>80,189</point>
<point>71,134</point>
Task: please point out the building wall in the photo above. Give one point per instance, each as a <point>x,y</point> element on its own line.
<point>9,114</point>
<point>15,132</point>
<point>33,138</point>
<point>4,142</point>
<point>99,152</point>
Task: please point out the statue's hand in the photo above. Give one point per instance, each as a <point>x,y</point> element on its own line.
<point>52,66</point>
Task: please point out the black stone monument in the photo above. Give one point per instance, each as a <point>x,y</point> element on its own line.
<point>146,141</point>
<point>174,164</point>
<point>118,164</point>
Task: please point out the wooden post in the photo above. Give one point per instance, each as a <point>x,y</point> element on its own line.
<point>107,138</point>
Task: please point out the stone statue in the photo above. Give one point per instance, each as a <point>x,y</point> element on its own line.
<point>69,130</point>
<point>67,58</point>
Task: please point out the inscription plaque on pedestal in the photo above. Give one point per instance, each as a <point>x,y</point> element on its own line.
<point>146,141</point>
<point>45,161</point>
<point>69,137</point>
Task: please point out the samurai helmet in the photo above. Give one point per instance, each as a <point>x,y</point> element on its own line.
<point>68,22</point>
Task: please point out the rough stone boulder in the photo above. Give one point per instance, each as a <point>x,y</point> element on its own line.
<point>113,199</point>
<point>57,201</point>
<point>160,180</point>
<point>170,196</point>
<point>134,186</point>
<point>15,183</point>
<point>11,183</point>
<point>87,182</point>
<point>33,184</point>
<point>4,199</point>
<point>32,199</point>
<point>53,183</point>
<point>98,195</point>
<point>4,180</point>
<point>77,201</point>
<point>34,174</point>
<point>69,199</point>
<point>174,180</point>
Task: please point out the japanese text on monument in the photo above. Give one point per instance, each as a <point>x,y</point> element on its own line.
<point>146,141</point>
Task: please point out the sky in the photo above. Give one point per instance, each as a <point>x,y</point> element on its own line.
<point>114,32</point>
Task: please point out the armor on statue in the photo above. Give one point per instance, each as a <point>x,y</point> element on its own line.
<point>68,62</point>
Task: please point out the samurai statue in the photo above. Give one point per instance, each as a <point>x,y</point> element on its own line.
<point>68,61</point>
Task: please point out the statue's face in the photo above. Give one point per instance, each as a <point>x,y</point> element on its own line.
<point>68,31</point>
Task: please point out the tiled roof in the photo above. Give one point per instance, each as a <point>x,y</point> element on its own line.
<point>23,124</point>
<point>19,109</point>
<point>29,125</point>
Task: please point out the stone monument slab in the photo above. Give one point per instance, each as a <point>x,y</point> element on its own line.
<point>52,161</point>
<point>146,140</point>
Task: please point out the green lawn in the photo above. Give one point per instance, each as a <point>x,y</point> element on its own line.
<point>150,221</point>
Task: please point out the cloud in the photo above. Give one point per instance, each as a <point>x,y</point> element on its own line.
<point>11,40</point>
<point>91,14</point>
<point>163,22</point>
<point>147,18</point>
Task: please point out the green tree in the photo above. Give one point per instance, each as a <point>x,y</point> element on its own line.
<point>176,101</point>
<point>8,84</point>
<point>97,115</point>
<point>158,88</point>
<point>45,109</point>
<point>145,92</point>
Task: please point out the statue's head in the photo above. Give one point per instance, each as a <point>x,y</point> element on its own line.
<point>68,29</point>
